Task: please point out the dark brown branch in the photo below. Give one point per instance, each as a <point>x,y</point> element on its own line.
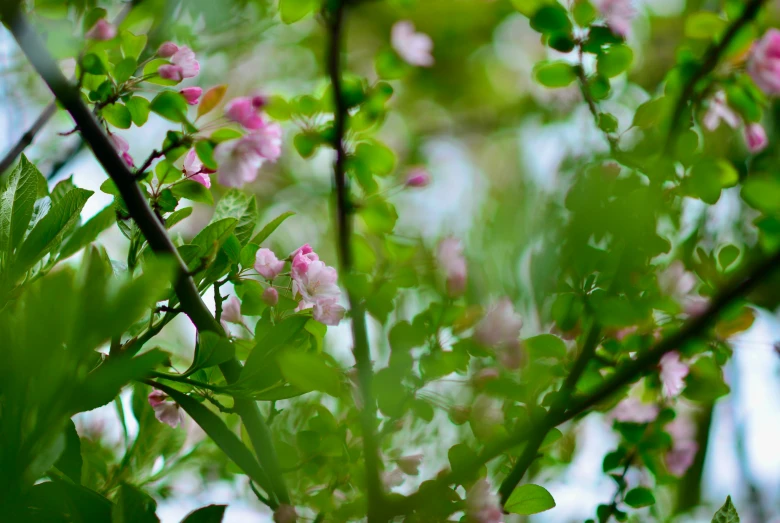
<point>344,208</point>
<point>156,235</point>
<point>27,138</point>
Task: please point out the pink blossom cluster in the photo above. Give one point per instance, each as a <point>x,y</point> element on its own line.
<point>452,263</point>
<point>183,63</point>
<point>618,14</point>
<point>684,446</point>
<point>719,111</point>
<point>240,159</point>
<point>672,373</point>
<point>482,504</point>
<point>315,284</point>
<point>499,329</point>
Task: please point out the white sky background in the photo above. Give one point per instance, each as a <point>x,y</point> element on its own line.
<point>449,206</point>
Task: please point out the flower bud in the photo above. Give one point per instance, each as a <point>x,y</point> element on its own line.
<point>102,30</point>
<point>191,94</point>
<point>418,177</point>
<point>167,50</point>
<point>271,296</point>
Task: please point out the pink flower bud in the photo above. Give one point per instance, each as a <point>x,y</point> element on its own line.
<point>192,94</point>
<point>267,264</point>
<point>231,311</point>
<point>243,111</point>
<point>167,412</point>
<point>755,136</point>
<point>418,177</point>
<point>271,296</point>
<point>102,30</point>
<point>259,101</point>
<point>171,72</point>
<point>156,397</point>
<point>285,514</point>
<point>167,50</point>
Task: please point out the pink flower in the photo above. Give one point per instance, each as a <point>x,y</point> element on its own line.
<point>184,57</point>
<point>244,110</point>
<point>102,30</point>
<point>171,72</point>
<point>500,326</point>
<point>123,147</point>
<point>328,311</point>
<point>755,137</point>
<point>633,410</point>
<point>167,412</point>
<point>271,296</point>
<point>410,465</point>
<point>238,162</point>
<point>191,94</point>
<point>482,504</point>
<point>167,50</point>
<point>259,101</point>
<point>696,306</point>
<point>764,63</point>
<point>306,251</point>
<point>194,170</point>
<point>267,141</point>
<point>718,111</point>
<point>684,446</point>
<point>417,177</point>
<point>231,311</point>
<point>392,479</point>
<point>453,264</point>
<point>415,48</point>
<point>676,281</point>
<point>316,283</point>
<point>673,373</point>
<point>285,514</point>
<point>267,264</point>
<point>618,14</point>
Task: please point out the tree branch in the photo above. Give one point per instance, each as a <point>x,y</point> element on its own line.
<point>156,235</point>
<point>335,16</point>
<point>624,375</point>
<point>711,59</point>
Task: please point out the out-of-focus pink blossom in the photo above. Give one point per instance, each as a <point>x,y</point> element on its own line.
<point>238,162</point>
<point>167,412</point>
<point>259,101</point>
<point>394,478</point>
<point>245,112</point>
<point>267,264</point>
<point>102,30</point>
<point>696,306</point>
<point>417,177</point>
<point>755,137</point>
<point>618,14</point>
<point>231,311</point>
<point>719,111</point>
<point>167,49</point>
<point>625,332</point>
<point>267,141</point>
<point>632,410</point>
<point>184,57</point>
<point>415,48</point>
<point>500,326</point>
<point>676,281</point>
<point>171,72</point>
<point>123,147</point>
<point>194,169</point>
<point>285,514</point>
<point>764,63</point>
<point>192,94</point>
<point>271,296</point>
<point>482,505</point>
<point>410,465</point>
<point>451,261</point>
<point>684,446</point>
<point>484,377</point>
<point>673,373</point>
<point>328,311</point>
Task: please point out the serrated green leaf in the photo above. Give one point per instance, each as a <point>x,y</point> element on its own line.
<point>16,205</point>
<point>727,513</point>
<point>88,232</point>
<point>266,231</point>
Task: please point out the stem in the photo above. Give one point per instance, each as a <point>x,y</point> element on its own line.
<point>711,59</point>
<point>155,233</point>
<point>625,374</point>
<point>28,137</point>
<point>344,210</point>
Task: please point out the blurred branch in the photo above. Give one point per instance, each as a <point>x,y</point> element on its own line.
<point>709,63</point>
<point>335,15</point>
<point>69,97</point>
<point>66,159</point>
<point>624,375</point>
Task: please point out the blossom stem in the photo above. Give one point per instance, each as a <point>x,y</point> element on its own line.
<point>335,15</point>
<point>709,63</point>
<point>191,302</point>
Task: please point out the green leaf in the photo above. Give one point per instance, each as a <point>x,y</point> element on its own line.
<point>124,70</point>
<point>132,45</point>
<point>211,99</point>
<point>293,10</point>
<point>213,349</point>
<point>545,346</point>
<point>16,205</point>
<point>708,177</point>
<point>279,337</point>
<point>266,231</point>
<point>70,462</point>
<point>211,238</point>
<point>608,123</point>
<point>92,64</point>
<point>207,514</point>
<point>117,115</point>
<point>529,499</point>
<point>192,191</point>
<point>728,255</point>
<point>763,193</point>
<point>554,74</point>
<point>49,231</point>
<point>225,438</point>
<point>134,506</point>
<point>704,25</point>
<point>171,106</point>
<point>614,60</point>
<point>378,158</point>
<point>639,497</point>
<point>205,152</point>
<point>551,18</point>
<point>584,13</point>
<point>139,109</point>
<point>88,232</point>
<point>241,206</point>
<point>727,513</point>
<point>308,371</point>
<point>306,143</point>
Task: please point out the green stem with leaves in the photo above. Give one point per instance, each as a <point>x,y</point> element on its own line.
<point>69,97</point>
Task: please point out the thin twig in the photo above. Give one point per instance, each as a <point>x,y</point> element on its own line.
<point>28,137</point>
<point>344,219</point>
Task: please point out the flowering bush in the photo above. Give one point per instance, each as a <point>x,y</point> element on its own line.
<point>386,369</point>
